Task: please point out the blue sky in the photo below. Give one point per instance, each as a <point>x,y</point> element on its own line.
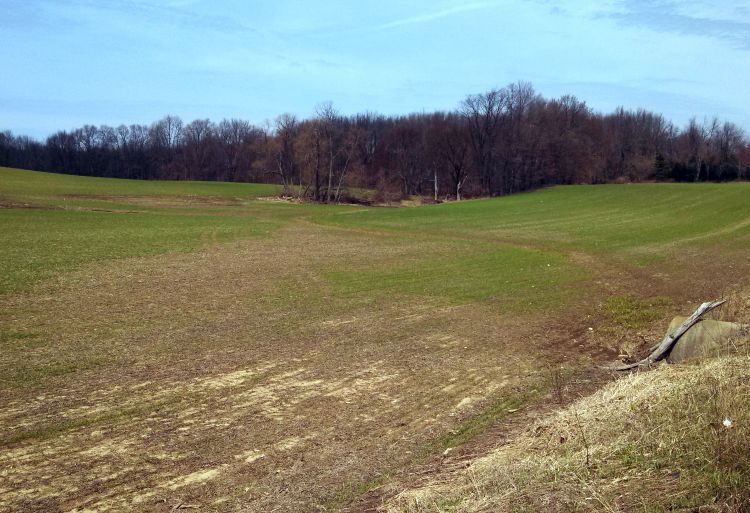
<point>68,63</point>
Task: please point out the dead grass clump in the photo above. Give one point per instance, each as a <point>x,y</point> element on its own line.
<point>736,309</point>
<point>675,438</point>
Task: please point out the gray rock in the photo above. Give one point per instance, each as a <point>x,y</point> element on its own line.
<point>708,337</point>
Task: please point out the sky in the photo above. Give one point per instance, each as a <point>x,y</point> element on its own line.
<point>67,63</point>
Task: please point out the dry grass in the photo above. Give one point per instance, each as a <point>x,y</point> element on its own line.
<point>210,388</point>
<point>650,441</point>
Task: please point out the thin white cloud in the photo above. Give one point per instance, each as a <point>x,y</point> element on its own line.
<point>695,18</point>
<point>436,15</point>
<point>174,12</point>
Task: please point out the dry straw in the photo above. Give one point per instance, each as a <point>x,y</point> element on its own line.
<point>673,438</point>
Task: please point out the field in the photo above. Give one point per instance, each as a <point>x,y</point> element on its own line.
<point>204,345</point>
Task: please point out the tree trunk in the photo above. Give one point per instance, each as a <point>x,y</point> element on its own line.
<point>330,178</point>
<point>317,168</point>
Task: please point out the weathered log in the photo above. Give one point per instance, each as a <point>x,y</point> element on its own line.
<point>662,350</point>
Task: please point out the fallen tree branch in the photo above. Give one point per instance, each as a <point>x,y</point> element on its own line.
<point>660,351</point>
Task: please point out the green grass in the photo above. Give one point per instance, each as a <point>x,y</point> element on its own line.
<point>57,189</point>
<point>600,219</point>
<point>634,313</point>
<point>466,273</point>
<point>41,244</point>
<point>75,221</point>
<point>82,220</point>
<point>488,250</point>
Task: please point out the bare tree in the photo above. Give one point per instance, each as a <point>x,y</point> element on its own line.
<point>282,150</point>
<point>507,140</point>
<point>337,144</point>
<point>236,137</point>
<point>199,141</point>
<point>483,113</point>
<point>454,143</point>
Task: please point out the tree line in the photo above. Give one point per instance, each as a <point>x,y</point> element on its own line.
<point>499,142</point>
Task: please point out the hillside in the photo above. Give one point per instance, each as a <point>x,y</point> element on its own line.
<point>170,344</point>
<point>672,439</point>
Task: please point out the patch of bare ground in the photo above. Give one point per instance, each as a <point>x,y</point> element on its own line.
<point>18,204</point>
<point>561,387</point>
<point>674,438</point>
<point>208,385</point>
<point>164,201</point>
<point>42,206</point>
<point>433,484</point>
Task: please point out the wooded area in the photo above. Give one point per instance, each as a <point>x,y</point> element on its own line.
<point>500,142</point>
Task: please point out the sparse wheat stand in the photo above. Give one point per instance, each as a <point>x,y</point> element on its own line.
<point>662,350</point>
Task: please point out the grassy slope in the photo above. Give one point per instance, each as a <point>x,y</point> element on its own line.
<point>514,253</point>
<point>603,218</point>
<point>84,220</point>
<point>525,245</point>
<point>485,250</point>
<point>510,254</point>
<point>56,189</point>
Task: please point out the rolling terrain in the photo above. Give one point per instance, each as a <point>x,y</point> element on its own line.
<point>191,344</point>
